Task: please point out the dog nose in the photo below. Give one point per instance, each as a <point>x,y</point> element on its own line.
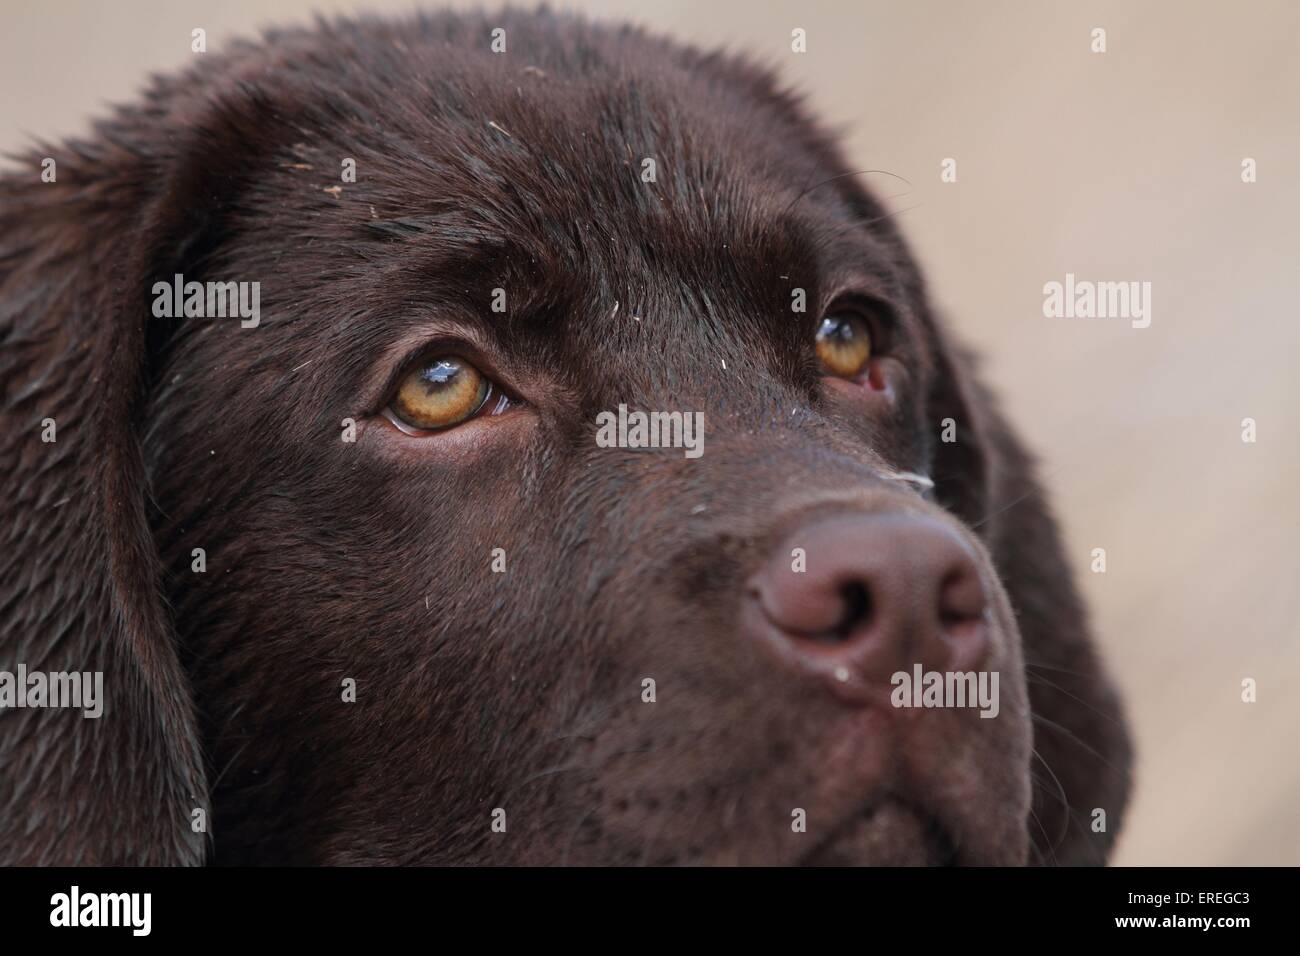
<point>861,597</point>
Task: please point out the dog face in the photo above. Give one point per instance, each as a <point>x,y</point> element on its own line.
<point>447,611</point>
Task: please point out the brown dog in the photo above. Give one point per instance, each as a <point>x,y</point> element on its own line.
<point>373,567</point>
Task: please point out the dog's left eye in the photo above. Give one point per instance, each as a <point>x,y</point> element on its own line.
<point>844,344</point>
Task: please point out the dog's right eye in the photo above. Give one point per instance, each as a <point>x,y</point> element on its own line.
<point>439,393</point>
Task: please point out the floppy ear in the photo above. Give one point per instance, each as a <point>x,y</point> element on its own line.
<point>79,573</point>
<point>1082,752</point>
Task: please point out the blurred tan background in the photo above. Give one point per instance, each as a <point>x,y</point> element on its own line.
<point>1117,166</point>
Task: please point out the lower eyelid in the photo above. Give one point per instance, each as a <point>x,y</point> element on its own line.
<point>877,379</point>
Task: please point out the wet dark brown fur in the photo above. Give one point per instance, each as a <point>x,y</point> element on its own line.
<point>329,560</point>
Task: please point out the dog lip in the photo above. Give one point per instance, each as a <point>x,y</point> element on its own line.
<point>939,835</point>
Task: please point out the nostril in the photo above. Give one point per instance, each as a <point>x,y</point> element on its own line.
<point>835,617</point>
<point>961,596</point>
<point>963,617</point>
<point>858,609</point>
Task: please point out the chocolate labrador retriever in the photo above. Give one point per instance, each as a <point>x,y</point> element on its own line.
<point>512,440</point>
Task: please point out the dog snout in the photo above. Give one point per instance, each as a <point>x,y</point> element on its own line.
<point>859,597</point>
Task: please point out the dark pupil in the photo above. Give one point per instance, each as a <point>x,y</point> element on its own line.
<point>439,375</point>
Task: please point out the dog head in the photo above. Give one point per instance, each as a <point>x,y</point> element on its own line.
<point>583,477</point>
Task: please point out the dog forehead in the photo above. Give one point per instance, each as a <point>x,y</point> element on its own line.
<point>579,210</point>
<point>588,176</point>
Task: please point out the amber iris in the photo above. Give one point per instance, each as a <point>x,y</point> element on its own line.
<point>844,345</point>
<point>439,393</point>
